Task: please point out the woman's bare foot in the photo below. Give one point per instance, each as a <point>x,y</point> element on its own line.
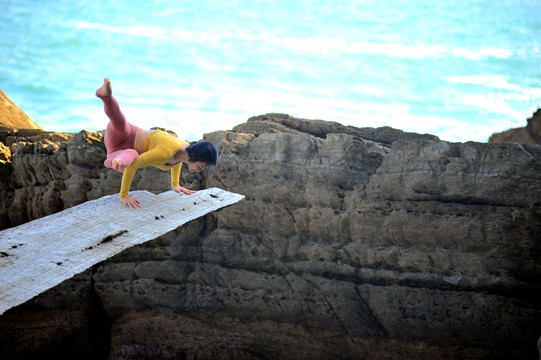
<point>105,89</point>
<point>116,164</point>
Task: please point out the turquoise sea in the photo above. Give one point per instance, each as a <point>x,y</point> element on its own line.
<point>459,69</point>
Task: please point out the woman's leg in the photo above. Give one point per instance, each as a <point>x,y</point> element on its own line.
<point>119,153</point>
<point>118,128</point>
<point>121,159</point>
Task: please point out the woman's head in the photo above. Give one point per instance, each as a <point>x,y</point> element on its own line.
<point>204,152</point>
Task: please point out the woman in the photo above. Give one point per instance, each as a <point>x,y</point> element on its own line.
<point>130,148</point>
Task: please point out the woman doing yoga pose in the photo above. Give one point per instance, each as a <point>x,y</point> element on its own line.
<point>130,148</point>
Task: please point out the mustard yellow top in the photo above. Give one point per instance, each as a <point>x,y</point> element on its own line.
<point>159,147</point>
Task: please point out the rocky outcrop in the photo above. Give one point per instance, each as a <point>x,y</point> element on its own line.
<point>351,243</point>
<point>530,134</point>
<point>46,172</point>
<point>12,116</point>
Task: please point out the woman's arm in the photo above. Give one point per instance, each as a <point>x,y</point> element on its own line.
<point>175,174</point>
<point>127,178</point>
<point>132,203</point>
<point>157,155</point>
<point>180,189</point>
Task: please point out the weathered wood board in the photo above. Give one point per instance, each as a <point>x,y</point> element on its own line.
<point>39,255</point>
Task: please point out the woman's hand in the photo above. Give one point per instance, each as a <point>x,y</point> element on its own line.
<point>132,203</point>
<point>180,189</point>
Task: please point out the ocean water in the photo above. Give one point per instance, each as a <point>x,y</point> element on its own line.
<point>459,69</point>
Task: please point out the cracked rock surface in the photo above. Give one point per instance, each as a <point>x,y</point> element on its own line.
<point>351,243</point>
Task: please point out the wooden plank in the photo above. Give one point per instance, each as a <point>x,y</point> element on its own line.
<point>39,255</point>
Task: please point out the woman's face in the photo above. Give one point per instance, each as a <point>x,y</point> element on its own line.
<point>196,167</point>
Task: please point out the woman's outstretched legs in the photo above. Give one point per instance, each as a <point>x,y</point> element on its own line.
<point>117,136</point>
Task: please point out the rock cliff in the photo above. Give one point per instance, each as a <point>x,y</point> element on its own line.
<point>351,243</point>
<point>45,172</point>
<point>530,134</point>
<point>12,116</point>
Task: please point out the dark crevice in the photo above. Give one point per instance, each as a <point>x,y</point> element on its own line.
<point>99,324</point>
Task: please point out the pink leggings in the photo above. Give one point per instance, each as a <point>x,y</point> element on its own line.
<point>120,135</point>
